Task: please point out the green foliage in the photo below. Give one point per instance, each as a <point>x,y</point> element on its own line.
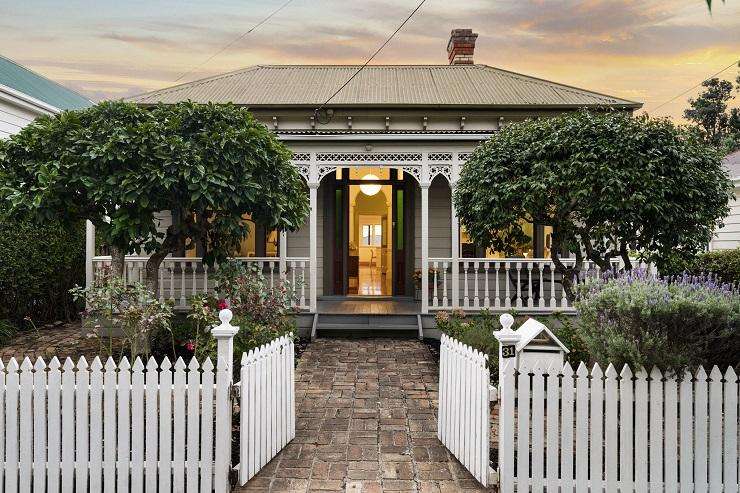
<point>7,331</point>
<point>710,112</point>
<point>637,320</point>
<point>261,312</point>
<point>39,264</point>
<point>609,184</point>
<point>474,330</point>
<point>723,264</point>
<point>565,328</point>
<point>119,164</point>
<point>124,317</point>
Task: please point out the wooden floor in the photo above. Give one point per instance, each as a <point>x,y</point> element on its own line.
<point>369,306</point>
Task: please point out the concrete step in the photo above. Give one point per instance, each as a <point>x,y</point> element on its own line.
<point>366,324</point>
<point>368,320</point>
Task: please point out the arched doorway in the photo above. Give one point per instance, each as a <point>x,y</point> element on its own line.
<point>368,232</point>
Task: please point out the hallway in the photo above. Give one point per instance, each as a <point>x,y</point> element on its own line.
<point>366,422</point>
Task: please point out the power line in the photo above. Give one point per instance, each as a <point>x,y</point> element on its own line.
<point>736,62</point>
<point>371,57</point>
<point>238,38</point>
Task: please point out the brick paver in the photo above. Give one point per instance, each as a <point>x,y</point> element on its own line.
<point>366,422</point>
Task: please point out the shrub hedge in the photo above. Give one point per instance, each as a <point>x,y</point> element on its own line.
<point>675,324</point>
<point>39,264</point>
<point>724,264</point>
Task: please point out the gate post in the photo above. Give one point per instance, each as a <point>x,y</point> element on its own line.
<point>507,341</point>
<point>224,335</point>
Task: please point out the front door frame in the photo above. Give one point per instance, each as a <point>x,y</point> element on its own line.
<point>338,258</point>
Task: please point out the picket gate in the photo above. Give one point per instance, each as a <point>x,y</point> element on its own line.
<point>593,431</point>
<point>463,418</point>
<point>267,405</point>
<point>153,427</point>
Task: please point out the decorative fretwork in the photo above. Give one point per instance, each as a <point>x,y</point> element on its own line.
<point>414,171</point>
<point>350,158</point>
<point>326,170</point>
<point>441,169</point>
<point>304,170</point>
<point>299,157</point>
<point>438,157</point>
<point>464,156</point>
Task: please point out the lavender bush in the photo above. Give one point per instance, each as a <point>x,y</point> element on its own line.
<point>674,323</point>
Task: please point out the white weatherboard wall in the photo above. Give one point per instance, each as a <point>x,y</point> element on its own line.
<point>728,236</point>
<point>18,110</point>
<point>617,431</point>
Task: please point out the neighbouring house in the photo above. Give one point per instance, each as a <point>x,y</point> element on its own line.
<point>728,236</point>
<point>380,163</point>
<point>26,95</point>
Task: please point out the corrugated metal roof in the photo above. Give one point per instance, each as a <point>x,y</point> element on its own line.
<point>39,87</point>
<point>381,85</point>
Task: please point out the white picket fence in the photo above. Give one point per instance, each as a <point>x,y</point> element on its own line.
<point>602,431</point>
<point>267,405</point>
<point>114,428</point>
<point>153,428</point>
<point>463,419</point>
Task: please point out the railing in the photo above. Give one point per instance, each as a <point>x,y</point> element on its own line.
<point>183,277</point>
<point>531,285</point>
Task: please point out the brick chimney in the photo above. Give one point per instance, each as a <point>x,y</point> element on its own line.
<point>461,46</point>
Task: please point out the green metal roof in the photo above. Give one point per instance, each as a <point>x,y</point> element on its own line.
<point>37,86</point>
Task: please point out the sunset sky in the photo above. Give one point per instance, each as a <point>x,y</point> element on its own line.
<point>648,51</point>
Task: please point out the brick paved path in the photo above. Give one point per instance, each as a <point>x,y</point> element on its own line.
<point>61,341</point>
<point>366,422</point>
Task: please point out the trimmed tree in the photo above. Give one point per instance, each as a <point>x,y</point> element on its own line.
<point>610,185</point>
<point>120,166</point>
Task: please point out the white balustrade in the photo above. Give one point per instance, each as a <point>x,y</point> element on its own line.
<point>182,277</point>
<point>526,284</point>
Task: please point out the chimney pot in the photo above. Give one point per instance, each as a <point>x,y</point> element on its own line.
<point>461,46</point>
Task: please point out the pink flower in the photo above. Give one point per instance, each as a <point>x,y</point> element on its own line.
<point>222,304</point>
<point>190,346</point>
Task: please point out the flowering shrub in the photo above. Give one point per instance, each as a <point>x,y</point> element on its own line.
<point>130,312</point>
<point>673,323</point>
<point>261,311</point>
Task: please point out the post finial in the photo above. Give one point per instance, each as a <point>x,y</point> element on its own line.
<point>225,329</point>
<point>225,316</point>
<point>507,321</point>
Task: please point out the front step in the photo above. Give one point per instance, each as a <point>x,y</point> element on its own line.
<point>367,324</point>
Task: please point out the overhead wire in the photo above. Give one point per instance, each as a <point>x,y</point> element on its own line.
<point>736,62</point>
<point>235,40</point>
<point>370,59</point>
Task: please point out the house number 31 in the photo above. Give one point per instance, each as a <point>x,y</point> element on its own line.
<point>508,351</point>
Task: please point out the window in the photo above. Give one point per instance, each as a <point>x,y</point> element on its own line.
<point>372,235</point>
<point>529,249</point>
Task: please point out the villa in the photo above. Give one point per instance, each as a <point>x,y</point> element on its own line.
<point>380,161</point>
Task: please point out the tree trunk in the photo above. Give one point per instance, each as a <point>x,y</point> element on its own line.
<point>152,271</point>
<point>118,261</point>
